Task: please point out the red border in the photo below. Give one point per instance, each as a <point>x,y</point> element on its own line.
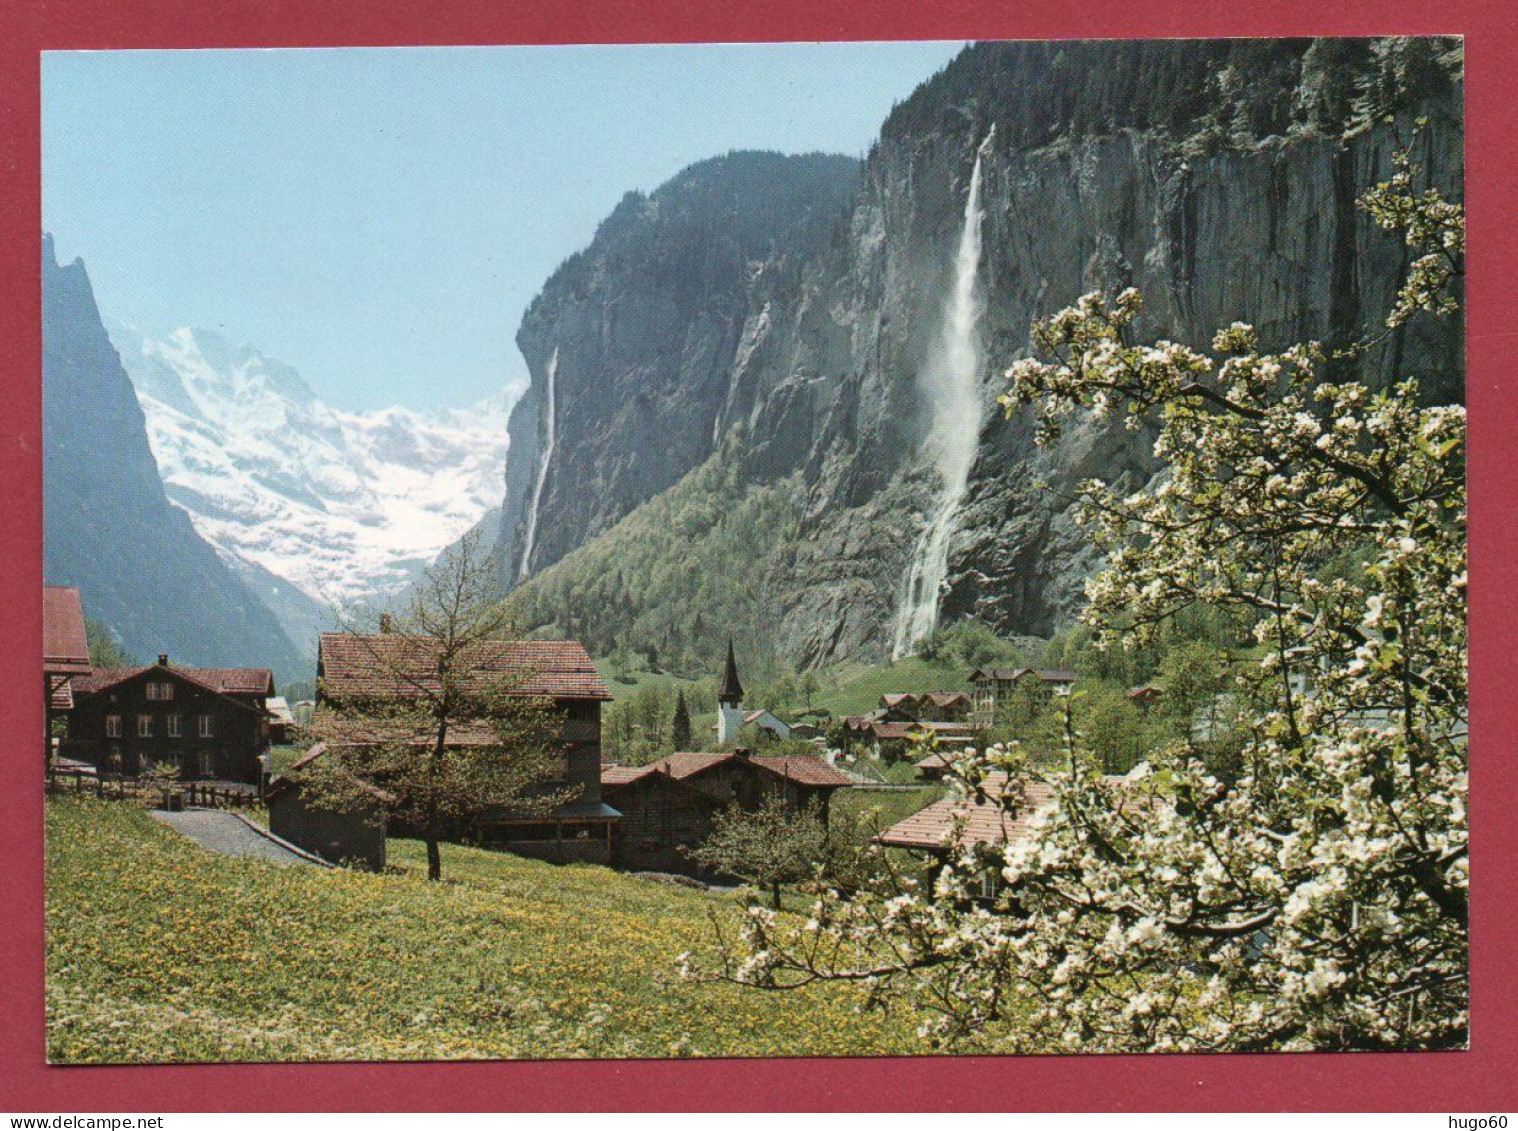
<point>1482,1079</point>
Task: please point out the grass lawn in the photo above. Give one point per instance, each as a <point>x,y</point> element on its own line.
<point>160,951</point>
<point>855,689</point>
<point>886,805</point>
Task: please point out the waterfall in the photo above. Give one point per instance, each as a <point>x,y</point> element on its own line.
<point>537,489</point>
<point>951,381</point>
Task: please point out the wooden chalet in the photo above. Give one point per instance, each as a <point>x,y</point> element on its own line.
<point>1144,697</point>
<point>386,667</point>
<point>959,820</point>
<point>900,717</point>
<point>1004,813</point>
<point>65,653</point>
<point>210,723</point>
<point>993,688</point>
<point>668,806</point>
<point>936,766</point>
<point>947,827</point>
<point>281,720</point>
<point>885,738</point>
<point>354,837</point>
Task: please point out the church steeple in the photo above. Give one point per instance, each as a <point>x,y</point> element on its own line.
<point>729,701</point>
<point>731,690</point>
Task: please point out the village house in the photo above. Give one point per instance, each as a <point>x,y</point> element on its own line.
<point>1002,815</point>
<point>281,720</point>
<point>65,654</point>
<point>389,668</point>
<point>993,689</point>
<point>1144,697</point>
<point>668,806</point>
<point>889,730</point>
<point>1003,812</point>
<point>936,766</point>
<point>354,838</point>
<point>211,724</point>
<point>765,724</point>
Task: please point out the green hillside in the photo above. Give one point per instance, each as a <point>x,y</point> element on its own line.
<point>159,951</point>
<point>664,588</point>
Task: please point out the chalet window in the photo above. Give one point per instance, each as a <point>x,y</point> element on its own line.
<point>166,691</point>
<point>144,726</point>
<point>173,726</point>
<point>152,690</point>
<point>206,766</point>
<point>113,726</point>
<point>207,726</point>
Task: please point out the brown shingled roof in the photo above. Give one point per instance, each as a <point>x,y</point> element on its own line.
<point>392,665</point>
<point>223,681</point>
<point>65,648</point>
<point>985,822</point>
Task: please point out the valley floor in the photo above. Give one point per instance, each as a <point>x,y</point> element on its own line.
<point>159,951</point>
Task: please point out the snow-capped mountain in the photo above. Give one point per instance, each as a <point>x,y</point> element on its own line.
<point>343,506</point>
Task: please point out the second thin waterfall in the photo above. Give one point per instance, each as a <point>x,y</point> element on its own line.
<point>537,491</point>
<point>951,382</point>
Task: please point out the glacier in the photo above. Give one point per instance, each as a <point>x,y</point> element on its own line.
<point>345,507</point>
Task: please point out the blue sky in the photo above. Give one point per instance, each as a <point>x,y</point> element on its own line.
<point>379,218</point>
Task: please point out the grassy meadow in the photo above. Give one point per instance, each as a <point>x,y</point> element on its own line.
<point>158,951</point>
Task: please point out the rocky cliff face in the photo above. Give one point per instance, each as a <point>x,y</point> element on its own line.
<point>109,528</point>
<point>635,339</point>
<point>1218,177</point>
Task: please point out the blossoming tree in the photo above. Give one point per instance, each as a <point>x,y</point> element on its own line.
<point>1316,897</point>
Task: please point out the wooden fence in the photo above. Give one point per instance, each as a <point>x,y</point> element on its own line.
<point>196,795</point>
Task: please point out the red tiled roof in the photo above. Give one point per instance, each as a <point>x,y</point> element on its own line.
<point>889,732</point>
<point>234,681</point>
<point>938,760</point>
<point>687,764</point>
<point>64,645</point>
<point>947,698</point>
<point>1147,691</point>
<point>613,776</point>
<point>392,665</point>
<point>984,823</point>
<point>897,699</point>
<point>804,769</point>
